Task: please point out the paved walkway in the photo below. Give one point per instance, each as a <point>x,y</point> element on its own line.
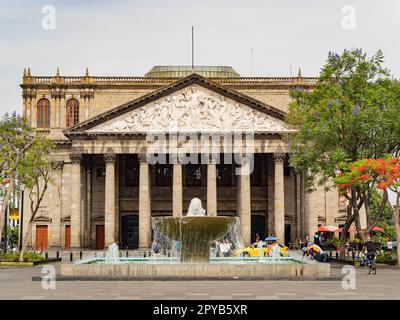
<point>16,283</point>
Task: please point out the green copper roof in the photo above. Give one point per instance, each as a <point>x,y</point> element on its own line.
<point>183,71</point>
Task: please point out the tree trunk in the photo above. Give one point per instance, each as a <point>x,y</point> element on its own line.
<point>4,204</point>
<point>396,220</point>
<point>343,239</point>
<point>398,242</point>
<point>25,243</point>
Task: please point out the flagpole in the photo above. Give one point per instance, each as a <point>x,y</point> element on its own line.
<point>192,48</point>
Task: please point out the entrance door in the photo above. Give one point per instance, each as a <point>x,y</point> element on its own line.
<point>100,237</point>
<point>130,232</point>
<point>41,238</point>
<point>67,237</point>
<point>257,226</point>
<point>288,234</point>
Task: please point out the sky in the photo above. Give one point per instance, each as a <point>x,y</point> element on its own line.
<point>129,37</point>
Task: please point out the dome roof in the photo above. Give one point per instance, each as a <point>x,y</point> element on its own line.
<point>183,71</point>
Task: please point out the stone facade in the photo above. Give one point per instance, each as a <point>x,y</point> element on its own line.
<point>105,190</point>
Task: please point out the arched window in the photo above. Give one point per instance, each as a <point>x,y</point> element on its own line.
<point>43,113</point>
<point>72,112</point>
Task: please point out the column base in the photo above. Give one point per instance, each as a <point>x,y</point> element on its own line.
<point>55,247</point>
<point>143,248</point>
<point>75,248</point>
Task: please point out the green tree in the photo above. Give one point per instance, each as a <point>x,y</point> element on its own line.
<point>353,113</point>
<point>382,174</point>
<point>35,175</point>
<point>13,235</point>
<point>16,138</point>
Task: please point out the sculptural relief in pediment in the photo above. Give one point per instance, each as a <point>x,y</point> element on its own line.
<point>193,108</point>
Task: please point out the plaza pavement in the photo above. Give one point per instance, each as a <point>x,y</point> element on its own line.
<point>16,283</point>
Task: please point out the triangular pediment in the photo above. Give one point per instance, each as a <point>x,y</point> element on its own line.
<point>191,104</point>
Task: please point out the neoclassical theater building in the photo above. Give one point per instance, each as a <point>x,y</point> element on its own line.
<point>106,186</point>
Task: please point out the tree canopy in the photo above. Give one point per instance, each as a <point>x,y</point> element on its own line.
<point>24,158</point>
<point>353,113</point>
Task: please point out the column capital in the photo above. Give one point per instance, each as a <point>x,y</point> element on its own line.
<point>279,157</point>
<point>75,157</point>
<point>212,159</point>
<point>57,165</point>
<point>110,157</point>
<point>142,157</point>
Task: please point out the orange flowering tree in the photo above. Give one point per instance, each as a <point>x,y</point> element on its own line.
<point>382,174</point>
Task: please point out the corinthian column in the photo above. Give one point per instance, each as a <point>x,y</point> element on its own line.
<point>279,201</point>
<point>76,196</point>
<point>244,201</point>
<point>144,203</point>
<point>177,190</point>
<point>109,204</point>
<point>211,188</point>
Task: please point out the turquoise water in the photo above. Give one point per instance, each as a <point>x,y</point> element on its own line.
<point>175,260</point>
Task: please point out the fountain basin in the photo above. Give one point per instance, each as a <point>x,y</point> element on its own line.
<point>218,270</point>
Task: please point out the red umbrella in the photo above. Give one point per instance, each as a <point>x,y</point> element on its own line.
<point>341,230</point>
<point>374,229</point>
<point>323,229</point>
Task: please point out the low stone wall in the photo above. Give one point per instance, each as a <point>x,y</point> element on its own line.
<point>182,270</point>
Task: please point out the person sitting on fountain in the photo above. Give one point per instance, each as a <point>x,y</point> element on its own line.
<point>269,248</point>
<point>224,249</point>
<point>314,251</point>
<point>228,246</point>
<point>275,249</point>
<point>156,248</point>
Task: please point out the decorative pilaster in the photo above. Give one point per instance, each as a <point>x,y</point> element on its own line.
<point>76,196</point>
<point>57,93</point>
<point>29,97</point>
<point>177,190</point>
<point>55,204</point>
<point>279,201</point>
<point>109,204</point>
<point>144,203</point>
<point>211,188</point>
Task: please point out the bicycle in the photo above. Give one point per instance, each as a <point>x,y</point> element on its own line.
<point>370,264</point>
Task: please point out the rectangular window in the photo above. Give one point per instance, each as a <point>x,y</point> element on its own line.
<point>132,171</point>
<point>163,175</point>
<point>224,175</point>
<point>193,175</point>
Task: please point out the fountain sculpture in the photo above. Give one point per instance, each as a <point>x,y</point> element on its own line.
<point>195,231</point>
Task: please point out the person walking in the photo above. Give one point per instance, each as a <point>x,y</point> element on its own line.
<point>223,249</point>
<point>317,239</point>
<point>260,246</point>
<point>228,246</point>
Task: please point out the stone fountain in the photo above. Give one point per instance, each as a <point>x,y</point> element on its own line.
<point>195,231</point>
